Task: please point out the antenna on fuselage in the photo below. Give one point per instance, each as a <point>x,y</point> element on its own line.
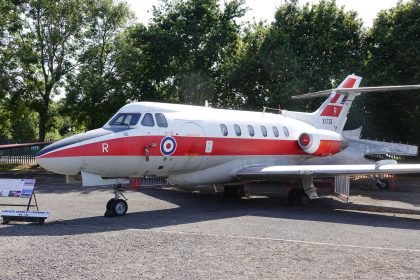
<point>278,110</point>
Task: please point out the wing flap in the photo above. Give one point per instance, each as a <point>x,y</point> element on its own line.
<point>317,171</point>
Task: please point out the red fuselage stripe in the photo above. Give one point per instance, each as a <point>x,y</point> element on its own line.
<point>186,146</point>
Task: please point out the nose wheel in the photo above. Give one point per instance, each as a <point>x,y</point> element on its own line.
<point>117,206</point>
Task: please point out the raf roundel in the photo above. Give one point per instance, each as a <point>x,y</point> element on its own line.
<point>167,146</point>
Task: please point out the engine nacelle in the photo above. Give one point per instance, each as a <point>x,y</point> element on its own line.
<point>322,143</point>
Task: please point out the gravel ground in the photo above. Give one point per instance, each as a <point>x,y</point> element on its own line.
<point>171,234</point>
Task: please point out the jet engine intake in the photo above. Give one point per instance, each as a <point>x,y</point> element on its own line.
<point>322,143</point>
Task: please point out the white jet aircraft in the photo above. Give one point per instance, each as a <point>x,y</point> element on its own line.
<point>193,145</point>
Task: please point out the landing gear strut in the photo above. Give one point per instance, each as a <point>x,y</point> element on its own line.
<point>304,195</point>
<point>117,206</point>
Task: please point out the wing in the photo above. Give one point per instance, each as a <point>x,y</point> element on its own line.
<point>317,171</point>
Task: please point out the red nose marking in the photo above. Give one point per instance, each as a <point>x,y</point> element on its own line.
<point>305,140</point>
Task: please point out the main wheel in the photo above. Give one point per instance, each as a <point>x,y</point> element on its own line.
<point>297,197</point>
<point>303,198</point>
<point>383,184</point>
<point>116,207</point>
<point>234,191</point>
<point>292,196</point>
<point>120,207</point>
<point>110,204</point>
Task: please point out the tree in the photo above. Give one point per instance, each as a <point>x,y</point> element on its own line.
<point>306,48</point>
<point>265,73</point>
<point>47,48</point>
<point>394,58</point>
<point>185,47</point>
<point>97,87</point>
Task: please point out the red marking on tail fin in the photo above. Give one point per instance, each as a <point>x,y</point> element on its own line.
<point>331,111</point>
<point>349,83</point>
<point>335,98</point>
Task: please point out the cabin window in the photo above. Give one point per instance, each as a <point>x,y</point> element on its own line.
<point>224,130</point>
<point>251,131</point>
<point>286,131</point>
<point>275,131</point>
<point>126,119</point>
<point>264,131</point>
<point>161,120</point>
<point>148,120</point>
<point>237,130</point>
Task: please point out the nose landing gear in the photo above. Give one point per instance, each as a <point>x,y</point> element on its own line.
<point>117,206</point>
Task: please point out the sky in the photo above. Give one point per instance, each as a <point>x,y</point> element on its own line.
<point>264,9</point>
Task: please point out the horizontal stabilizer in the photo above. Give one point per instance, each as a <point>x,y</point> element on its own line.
<point>356,90</point>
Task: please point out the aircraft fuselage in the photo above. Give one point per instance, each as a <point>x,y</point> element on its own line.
<point>168,140</point>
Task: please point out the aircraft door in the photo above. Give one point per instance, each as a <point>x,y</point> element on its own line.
<point>148,164</point>
<point>192,144</point>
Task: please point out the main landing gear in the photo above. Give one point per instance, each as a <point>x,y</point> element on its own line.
<point>234,191</point>
<point>117,206</point>
<point>382,184</point>
<point>297,197</point>
<point>304,195</point>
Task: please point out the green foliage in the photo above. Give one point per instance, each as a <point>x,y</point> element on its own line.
<point>95,91</point>
<point>306,48</point>
<point>394,58</point>
<point>185,48</point>
<point>192,51</point>
<point>5,124</point>
<point>46,48</point>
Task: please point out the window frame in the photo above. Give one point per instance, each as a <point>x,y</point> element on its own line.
<point>275,131</point>
<point>224,130</point>
<point>251,130</point>
<point>286,131</point>
<point>144,117</point>
<point>264,131</point>
<point>124,116</point>
<point>165,125</point>
<point>238,130</point>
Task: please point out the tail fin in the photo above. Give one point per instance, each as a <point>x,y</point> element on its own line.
<point>332,115</point>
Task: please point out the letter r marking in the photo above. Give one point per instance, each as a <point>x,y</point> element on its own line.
<point>105,148</point>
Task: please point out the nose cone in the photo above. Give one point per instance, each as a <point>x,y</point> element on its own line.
<point>67,156</point>
<point>61,157</point>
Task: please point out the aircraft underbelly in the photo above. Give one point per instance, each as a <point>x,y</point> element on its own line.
<point>136,166</point>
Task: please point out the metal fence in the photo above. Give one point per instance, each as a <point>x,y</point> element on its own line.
<point>23,154</point>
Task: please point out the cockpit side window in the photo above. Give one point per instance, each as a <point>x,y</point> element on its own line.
<point>127,119</point>
<point>148,120</point>
<point>161,120</point>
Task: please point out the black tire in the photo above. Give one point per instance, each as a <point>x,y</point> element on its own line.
<point>303,198</point>
<point>383,184</point>
<point>120,207</point>
<point>234,191</point>
<point>109,213</point>
<point>110,204</point>
<point>227,192</point>
<point>240,191</point>
<point>292,196</point>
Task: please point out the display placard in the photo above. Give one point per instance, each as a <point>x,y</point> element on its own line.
<point>22,213</point>
<point>17,187</point>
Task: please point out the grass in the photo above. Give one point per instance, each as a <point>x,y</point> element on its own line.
<point>20,167</point>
